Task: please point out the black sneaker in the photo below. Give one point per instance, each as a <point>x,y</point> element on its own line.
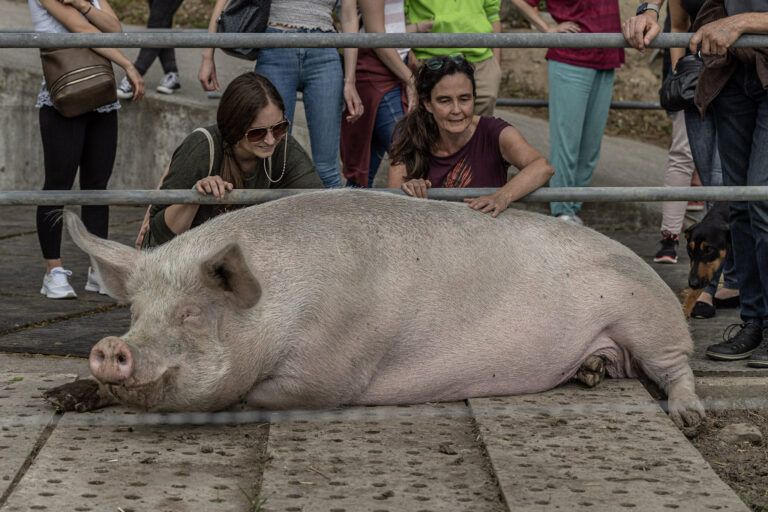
<point>668,251</point>
<point>759,358</point>
<point>739,346</point>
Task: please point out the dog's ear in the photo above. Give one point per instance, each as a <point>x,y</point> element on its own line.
<point>688,232</point>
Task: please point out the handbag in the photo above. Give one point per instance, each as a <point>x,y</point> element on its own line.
<point>678,89</point>
<point>79,79</point>
<point>142,240</point>
<point>244,17</point>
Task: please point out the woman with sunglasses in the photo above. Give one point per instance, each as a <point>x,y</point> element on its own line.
<point>252,149</point>
<point>441,143</point>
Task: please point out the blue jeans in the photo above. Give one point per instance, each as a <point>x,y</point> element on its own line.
<point>390,111</point>
<point>702,137</point>
<point>317,73</point>
<point>579,101</point>
<point>741,119</point>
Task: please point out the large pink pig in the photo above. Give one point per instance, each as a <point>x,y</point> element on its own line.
<point>359,297</point>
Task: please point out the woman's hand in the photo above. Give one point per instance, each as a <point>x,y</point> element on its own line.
<point>213,185</point>
<point>416,188</point>
<point>411,95</point>
<point>207,74</point>
<point>565,27</point>
<point>355,107</point>
<point>495,203</point>
<point>137,82</point>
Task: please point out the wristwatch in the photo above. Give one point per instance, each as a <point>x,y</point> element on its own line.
<point>645,6</point>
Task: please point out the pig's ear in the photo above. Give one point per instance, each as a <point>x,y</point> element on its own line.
<point>228,272</point>
<point>113,261</point>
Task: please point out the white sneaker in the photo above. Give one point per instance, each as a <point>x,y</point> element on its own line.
<point>94,282</point>
<point>170,83</point>
<point>56,285</point>
<point>124,90</point>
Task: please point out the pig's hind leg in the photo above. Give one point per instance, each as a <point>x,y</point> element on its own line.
<point>661,348</point>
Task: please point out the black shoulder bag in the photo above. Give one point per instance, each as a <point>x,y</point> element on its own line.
<point>244,17</point>
<point>678,89</point>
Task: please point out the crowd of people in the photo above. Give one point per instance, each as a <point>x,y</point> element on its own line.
<point>431,111</point>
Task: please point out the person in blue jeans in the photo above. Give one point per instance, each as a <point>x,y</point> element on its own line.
<point>316,72</point>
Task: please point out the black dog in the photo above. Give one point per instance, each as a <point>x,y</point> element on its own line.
<point>708,243</point>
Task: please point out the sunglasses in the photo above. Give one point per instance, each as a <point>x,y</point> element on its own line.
<point>277,130</point>
<point>436,63</point>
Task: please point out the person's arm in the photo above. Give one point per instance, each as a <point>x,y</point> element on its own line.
<point>350,25</point>
<point>535,172</point>
<point>532,15</point>
<point>104,19</point>
<point>641,29</point>
<point>373,19</point>
<point>207,72</point>
<point>396,176</point>
<point>680,21</point>
<point>300,171</point>
<point>74,21</point>
<point>715,38</point>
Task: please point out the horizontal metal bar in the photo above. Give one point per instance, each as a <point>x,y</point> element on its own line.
<point>591,194</point>
<point>334,40</point>
<point>531,102</point>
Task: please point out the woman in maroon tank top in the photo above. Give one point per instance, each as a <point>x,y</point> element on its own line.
<point>441,143</point>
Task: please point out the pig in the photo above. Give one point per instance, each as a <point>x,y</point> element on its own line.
<point>361,297</point>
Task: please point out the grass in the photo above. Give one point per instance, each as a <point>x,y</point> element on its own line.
<point>191,14</point>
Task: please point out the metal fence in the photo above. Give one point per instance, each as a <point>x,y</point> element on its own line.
<point>197,39</point>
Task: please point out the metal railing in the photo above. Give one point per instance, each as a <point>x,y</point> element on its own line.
<point>251,196</point>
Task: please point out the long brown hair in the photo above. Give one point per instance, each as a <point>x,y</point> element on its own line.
<point>241,102</point>
<point>416,134</point>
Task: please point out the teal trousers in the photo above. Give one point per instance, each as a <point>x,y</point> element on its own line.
<point>579,101</point>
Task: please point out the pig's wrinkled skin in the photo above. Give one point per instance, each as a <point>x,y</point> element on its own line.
<point>359,297</point>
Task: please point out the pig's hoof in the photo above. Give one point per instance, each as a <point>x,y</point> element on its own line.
<point>592,371</point>
<point>687,413</point>
<point>81,396</point>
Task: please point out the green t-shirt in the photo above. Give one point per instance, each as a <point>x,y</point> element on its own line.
<point>190,163</point>
<point>455,17</point>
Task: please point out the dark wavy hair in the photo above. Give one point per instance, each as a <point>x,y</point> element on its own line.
<point>416,134</point>
<point>241,102</point>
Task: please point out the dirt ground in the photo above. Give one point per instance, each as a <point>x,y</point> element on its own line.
<point>742,466</point>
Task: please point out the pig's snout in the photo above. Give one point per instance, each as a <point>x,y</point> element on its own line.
<point>111,360</point>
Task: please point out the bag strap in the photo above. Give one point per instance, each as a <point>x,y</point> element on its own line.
<point>210,149</point>
<point>145,222</point>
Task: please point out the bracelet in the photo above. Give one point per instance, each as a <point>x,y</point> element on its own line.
<point>90,6</point>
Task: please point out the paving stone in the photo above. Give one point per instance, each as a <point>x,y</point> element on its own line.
<point>73,337</point>
<point>377,459</point>
<point>85,467</point>
<point>606,448</point>
<point>20,402</point>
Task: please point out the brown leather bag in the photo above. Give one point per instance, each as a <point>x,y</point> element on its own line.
<point>78,79</point>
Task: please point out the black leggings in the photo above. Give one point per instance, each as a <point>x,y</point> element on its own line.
<point>88,141</point>
<point>160,16</point>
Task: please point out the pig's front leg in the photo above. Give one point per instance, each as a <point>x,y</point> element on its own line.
<point>684,406</point>
<point>81,395</point>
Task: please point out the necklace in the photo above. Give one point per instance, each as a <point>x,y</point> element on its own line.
<point>285,155</point>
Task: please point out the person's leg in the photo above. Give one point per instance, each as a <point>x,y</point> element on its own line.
<point>323,83</point>
<point>96,163</point>
<point>569,90</point>
<point>737,130</point>
<point>487,81</point>
<point>598,107</point>
<point>165,20</point>
<point>281,67</point>
<point>389,113</point>
<point>680,167</point>
<point>62,140</point>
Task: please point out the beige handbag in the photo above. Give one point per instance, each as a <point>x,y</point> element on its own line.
<point>145,223</point>
<point>79,79</point>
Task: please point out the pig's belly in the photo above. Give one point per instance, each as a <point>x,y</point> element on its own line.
<point>489,373</point>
